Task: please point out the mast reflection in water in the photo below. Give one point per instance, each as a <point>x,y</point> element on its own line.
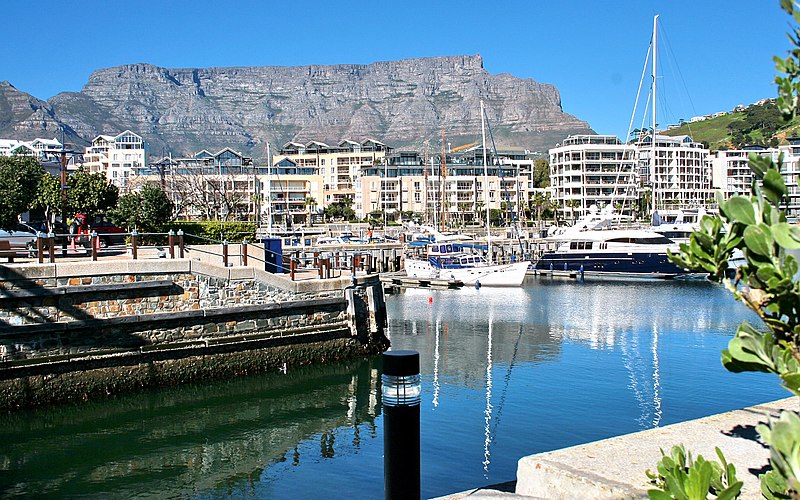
<point>505,373</point>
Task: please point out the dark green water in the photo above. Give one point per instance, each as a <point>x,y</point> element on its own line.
<point>506,373</point>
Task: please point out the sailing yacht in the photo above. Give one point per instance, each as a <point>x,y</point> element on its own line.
<point>446,259</point>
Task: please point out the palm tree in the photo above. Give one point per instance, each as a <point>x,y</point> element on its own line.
<point>572,205</point>
<point>310,202</point>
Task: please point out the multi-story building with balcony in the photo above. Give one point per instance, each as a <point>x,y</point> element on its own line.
<point>790,170</point>
<point>117,157</point>
<point>455,192</point>
<point>597,170</point>
<point>679,175</point>
<point>340,166</point>
<point>219,185</point>
<point>730,169</point>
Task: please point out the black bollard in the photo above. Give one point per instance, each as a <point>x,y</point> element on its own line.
<point>401,397</point>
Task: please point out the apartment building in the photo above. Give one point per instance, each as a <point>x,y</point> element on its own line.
<point>455,191</point>
<point>677,171</point>
<point>217,185</point>
<point>730,169</point>
<point>790,170</point>
<point>598,170</point>
<point>339,166</point>
<point>117,157</point>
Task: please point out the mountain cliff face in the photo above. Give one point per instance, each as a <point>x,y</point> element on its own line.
<point>401,103</point>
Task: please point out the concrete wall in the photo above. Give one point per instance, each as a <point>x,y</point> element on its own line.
<point>101,328</point>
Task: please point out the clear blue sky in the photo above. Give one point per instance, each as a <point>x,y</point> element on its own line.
<point>717,54</point>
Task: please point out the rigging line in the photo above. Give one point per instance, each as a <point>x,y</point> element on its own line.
<point>507,380</point>
<point>674,64</point>
<point>630,126</point>
<point>505,188</point>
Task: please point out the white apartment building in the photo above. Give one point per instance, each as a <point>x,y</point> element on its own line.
<point>116,156</point>
<point>730,169</point>
<point>790,170</point>
<point>679,175</point>
<point>588,170</point>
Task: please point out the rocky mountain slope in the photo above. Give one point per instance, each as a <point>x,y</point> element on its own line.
<point>401,103</point>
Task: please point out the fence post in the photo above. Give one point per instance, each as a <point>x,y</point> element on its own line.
<point>134,249</point>
<point>180,242</point>
<point>224,253</point>
<point>244,252</point>
<point>95,244</point>
<point>51,243</point>
<point>171,240</point>
<point>39,248</point>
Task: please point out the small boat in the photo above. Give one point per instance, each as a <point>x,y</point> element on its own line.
<point>452,261</point>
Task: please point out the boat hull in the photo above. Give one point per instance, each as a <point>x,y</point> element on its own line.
<point>651,264</point>
<point>492,275</point>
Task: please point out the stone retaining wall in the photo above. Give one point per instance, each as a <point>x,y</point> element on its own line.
<point>67,331</point>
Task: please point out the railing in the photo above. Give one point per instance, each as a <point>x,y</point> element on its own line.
<point>299,264</point>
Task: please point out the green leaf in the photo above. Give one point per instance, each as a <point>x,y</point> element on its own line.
<point>740,209</point>
<point>758,240</point>
<point>731,491</point>
<point>786,235</point>
<point>774,187</point>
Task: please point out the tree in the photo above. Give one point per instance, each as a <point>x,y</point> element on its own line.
<point>541,173</point>
<point>19,179</point>
<point>48,198</point>
<point>766,283</point>
<point>148,210</point>
<point>90,194</point>
<point>342,209</point>
<point>311,202</point>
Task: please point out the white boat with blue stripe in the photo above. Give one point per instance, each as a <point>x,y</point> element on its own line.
<point>453,261</point>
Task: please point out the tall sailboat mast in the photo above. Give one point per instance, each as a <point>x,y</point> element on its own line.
<point>653,136</point>
<point>486,182</point>
<point>443,173</point>
<point>269,191</point>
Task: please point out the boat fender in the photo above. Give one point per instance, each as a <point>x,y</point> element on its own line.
<point>430,300</point>
<point>477,285</point>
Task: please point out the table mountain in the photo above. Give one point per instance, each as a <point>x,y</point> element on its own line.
<point>401,103</point>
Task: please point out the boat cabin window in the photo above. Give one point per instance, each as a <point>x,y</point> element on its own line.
<point>652,240</point>
<point>580,245</point>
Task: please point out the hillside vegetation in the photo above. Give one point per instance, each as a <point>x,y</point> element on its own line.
<point>760,125</point>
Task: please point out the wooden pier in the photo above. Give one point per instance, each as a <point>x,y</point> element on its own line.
<point>392,281</point>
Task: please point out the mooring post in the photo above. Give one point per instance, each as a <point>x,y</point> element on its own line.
<point>244,252</point>
<point>401,391</point>
<point>171,241</point>
<point>133,244</point>
<point>180,242</point>
<point>95,244</point>
<point>292,268</point>
<point>39,248</point>
<point>51,244</point>
<point>224,253</point>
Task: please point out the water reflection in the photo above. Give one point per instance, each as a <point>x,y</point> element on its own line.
<point>549,330</point>
<point>183,441</point>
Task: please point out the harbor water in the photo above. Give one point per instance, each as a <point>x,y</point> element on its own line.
<point>506,372</point>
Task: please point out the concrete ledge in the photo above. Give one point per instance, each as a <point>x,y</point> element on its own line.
<point>25,293</point>
<point>204,268</point>
<point>615,468</point>
<point>27,271</point>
